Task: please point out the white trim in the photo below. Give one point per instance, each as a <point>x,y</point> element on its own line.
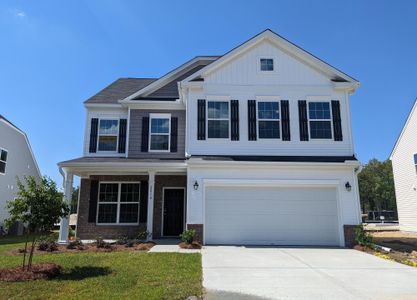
<point>264,72</point>
<point>319,120</point>
<point>219,119</point>
<point>4,161</point>
<point>159,116</point>
<point>118,203</point>
<point>163,206</point>
<point>27,142</point>
<point>275,183</point>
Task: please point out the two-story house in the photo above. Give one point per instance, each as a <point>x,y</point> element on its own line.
<point>252,147</point>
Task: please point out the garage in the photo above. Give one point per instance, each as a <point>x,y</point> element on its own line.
<point>271,215</point>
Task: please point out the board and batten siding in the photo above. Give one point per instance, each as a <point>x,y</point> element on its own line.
<point>135,134</point>
<point>405,175</point>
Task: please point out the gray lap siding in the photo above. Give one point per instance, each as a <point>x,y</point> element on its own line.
<point>90,230</point>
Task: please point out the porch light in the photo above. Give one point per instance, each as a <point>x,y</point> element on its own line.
<point>195,185</point>
<point>348,186</point>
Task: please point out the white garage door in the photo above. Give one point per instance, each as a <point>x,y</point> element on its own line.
<point>255,215</point>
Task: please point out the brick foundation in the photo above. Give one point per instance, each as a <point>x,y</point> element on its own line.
<point>198,231</point>
<point>349,231</point>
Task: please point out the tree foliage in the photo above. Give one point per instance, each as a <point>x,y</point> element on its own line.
<point>39,206</point>
<point>376,186</point>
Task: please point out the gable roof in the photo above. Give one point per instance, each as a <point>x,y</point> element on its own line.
<point>303,55</point>
<point>410,115</point>
<point>119,89</point>
<point>3,119</point>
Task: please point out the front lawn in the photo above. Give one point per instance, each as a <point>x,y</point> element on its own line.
<point>114,275</point>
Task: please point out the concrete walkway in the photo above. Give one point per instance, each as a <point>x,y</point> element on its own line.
<point>232,272</point>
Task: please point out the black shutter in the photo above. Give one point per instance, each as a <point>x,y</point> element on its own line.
<point>92,203</point>
<point>93,135</point>
<point>285,120</point>
<point>252,120</point>
<point>145,134</point>
<point>201,119</point>
<point>337,122</point>
<point>302,117</point>
<point>143,209</point>
<point>234,114</point>
<point>174,134</point>
<point>122,135</point>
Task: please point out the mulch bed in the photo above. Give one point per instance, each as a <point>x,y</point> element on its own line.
<point>38,271</point>
<point>408,258</point>
<point>193,245</point>
<point>89,248</point>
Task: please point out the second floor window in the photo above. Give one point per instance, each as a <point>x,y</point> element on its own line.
<point>415,161</point>
<point>3,160</point>
<point>267,64</point>
<point>218,119</point>
<point>107,135</point>
<point>268,120</point>
<point>159,132</point>
<point>320,120</point>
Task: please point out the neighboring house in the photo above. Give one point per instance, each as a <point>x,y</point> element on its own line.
<point>16,160</point>
<point>404,166</point>
<point>252,147</point>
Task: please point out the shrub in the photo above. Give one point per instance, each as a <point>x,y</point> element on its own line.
<point>130,243</point>
<point>122,240</point>
<point>71,233</point>
<point>47,243</point>
<point>143,236</point>
<point>75,244</point>
<point>363,237</point>
<point>100,243</point>
<point>188,236</point>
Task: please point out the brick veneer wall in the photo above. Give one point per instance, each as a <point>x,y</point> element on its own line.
<point>160,182</point>
<point>86,230</point>
<point>349,231</point>
<point>198,231</point>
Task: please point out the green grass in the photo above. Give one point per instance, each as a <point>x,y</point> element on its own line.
<point>113,275</point>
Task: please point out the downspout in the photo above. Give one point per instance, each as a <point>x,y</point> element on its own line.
<point>356,171</point>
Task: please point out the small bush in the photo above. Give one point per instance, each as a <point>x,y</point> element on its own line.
<point>130,243</point>
<point>47,243</point>
<point>143,236</point>
<point>122,240</point>
<point>100,243</point>
<point>71,233</point>
<point>75,244</point>
<point>188,236</point>
<point>363,237</point>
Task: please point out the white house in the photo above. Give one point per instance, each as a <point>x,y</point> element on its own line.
<point>16,160</point>
<point>252,147</point>
<point>404,166</point>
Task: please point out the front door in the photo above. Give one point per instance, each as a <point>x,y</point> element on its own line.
<point>173,211</point>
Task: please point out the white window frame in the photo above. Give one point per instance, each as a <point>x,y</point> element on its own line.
<point>5,162</point>
<point>117,135</point>
<point>159,116</point>
<point>274,60</point>
<point>215,119</point>
<point>258,119</point>
<point>118,203</point>
<point>331,120</point>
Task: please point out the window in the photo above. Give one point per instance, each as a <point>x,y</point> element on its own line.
<point>218,119</point>
<point>267,64</point>
<point>118,203</point>
<point>159,132</point>
<point>3,159</point>
<point>268,120</point>
<point>320,120</point>
<point>107,135</point>
<point>415,161</point>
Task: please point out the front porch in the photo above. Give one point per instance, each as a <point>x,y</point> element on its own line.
<point>116,201</point>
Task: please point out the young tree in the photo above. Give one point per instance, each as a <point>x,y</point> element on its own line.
<point>376,186</point>
<point>39,206</point>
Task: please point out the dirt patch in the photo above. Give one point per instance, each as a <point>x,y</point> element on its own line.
<point>193,245</point>
<point>38,271</point>
<point>397,240</point>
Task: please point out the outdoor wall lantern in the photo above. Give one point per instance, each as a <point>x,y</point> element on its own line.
<point>348,186</point>
<point>195,185</point>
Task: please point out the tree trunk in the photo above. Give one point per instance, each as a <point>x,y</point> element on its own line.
<point>24,254</point>
<point>31,253</point>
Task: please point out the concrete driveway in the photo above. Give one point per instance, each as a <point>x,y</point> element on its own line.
<point>233,272</point>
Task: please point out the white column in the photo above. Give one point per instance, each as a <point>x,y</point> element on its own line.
<point>64,227</point>
<point>151,192</point>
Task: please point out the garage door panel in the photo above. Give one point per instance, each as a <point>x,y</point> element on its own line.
<point>272,215</point>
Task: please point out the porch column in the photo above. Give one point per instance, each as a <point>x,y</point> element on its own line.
<point>63,229</point>
<point>151,192</point>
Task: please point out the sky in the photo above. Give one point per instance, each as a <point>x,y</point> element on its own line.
<point>56,54</point>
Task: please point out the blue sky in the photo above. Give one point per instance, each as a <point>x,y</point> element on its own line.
<point>56,54</point>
